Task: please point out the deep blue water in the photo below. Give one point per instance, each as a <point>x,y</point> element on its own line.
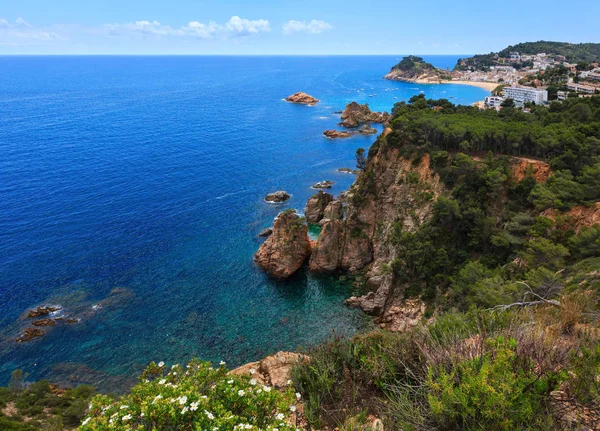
<point>148,173</point>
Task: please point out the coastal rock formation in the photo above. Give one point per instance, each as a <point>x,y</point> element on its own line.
<point>414,69</point>
<point>266,232</point>
<point>277,197</point>
<point>333,211</point>
<point>326,184</point>
<point>373,302</point>
<point>274,370</point>
<point>284,252</point>
<point>348,171</point>
<point>402,317</point>
<point>367,130</point>
<point>355,114</point>
<point>302,98</point>
<point>338,134</point>
<point>315,207</point>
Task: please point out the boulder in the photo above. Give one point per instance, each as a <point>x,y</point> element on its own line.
<point>266,232</point>
<point>277,197</point>
<point>274,370</point>
<point>302,98</point>
<point>338,134</point>
<point>284,252</point>
<point>315,207</point>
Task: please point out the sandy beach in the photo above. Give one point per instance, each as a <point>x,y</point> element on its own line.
<point>490,86</point>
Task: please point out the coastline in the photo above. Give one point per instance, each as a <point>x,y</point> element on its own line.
<point>490,86</point>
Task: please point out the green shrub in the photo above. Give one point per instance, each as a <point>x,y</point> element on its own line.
<point>196,397</point>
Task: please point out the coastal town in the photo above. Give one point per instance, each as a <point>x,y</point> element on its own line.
<point>514,77</point>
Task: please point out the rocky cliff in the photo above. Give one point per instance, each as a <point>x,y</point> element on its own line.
<point>286,249</point>
<point>356,114</point>
<point>394,192</point>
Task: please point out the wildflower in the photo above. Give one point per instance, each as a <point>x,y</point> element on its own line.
<point>182,400</point>
<point>298,395</point>
<point>241,392</point>
<point>142,415</point>
<point>259,391</point>
<point>252,371</point>
<point>162,382</point>
<point>156,398</point>
<point>161,364</point>
<point>253,382</point>
<point>222,363</point>
<point>292,408</point>
<point>174,373</point>
<point>204,397</point>
<point>126,418</point>
<point>194,406</point>
<point>174,366</point>
<point>209,415</point>
<point>289,382</point>
<point>184,410</point>
<point>229,382</point>
<point>267,389</point>
<point>86,421</point>
<point>124,407</point>
<point>280,416</point>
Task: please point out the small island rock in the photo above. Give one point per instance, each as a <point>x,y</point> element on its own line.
<point>355,114</point>
<point>326,184</point>
<point>338,134</point>
<point>302,98</point>
<point>30,334</point>
<point>284,252</point>
<point>277,197</point>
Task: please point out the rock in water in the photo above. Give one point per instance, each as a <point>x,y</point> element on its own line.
<point>302,98</point>
<point>337,134</point>
<point>277,197</point>
<point>315,207</point>
<point>284,252</point>
<point>30,334</point>
<point>323,185</point>
<point>266,232</point>
<point>355,114</point>
<point>367,130</point>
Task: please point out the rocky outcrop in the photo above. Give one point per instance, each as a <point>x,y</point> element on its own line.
<point>284,252</point>
<point>576,218</point>
<point>274,370</point>
<point>326,184</point>
<point>355,114</point>
<point>338,134</point>
<point>333,211</point>
<point>266,232</point>
<point>367,130</point>
<point>327,255</point>
<point>277,197</point>
<point>521,167</point>
<point>373,302</point>
<point>315,207</point>
<point>414,69</point>
<point>302,98</point>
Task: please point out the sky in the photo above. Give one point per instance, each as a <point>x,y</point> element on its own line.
<point>286,27</point>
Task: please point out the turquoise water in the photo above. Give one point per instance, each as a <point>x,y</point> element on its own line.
<point>148,174</point>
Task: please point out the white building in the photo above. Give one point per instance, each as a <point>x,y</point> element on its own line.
<point>579,88</point>
<point>562,95</point>
<point>522,95</point>
<point>493,101</point>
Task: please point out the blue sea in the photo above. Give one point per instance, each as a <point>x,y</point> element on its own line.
<point>147,175</point>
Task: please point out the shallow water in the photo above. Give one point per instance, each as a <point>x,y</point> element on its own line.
<point>148,173</point>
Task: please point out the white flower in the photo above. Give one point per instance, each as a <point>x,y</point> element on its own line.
<point>174,373</point>
<point>289,382</point>
<point>259,391</point>
<point>280,416</point>
<point>241,392</point>
<point>253,382</point>
<point>222,363</point>
<point>298,395</point>
<point>194,406</point>
<point>292,408</point>
<point>209,415</point>
<point>126,418</point>
<point>86,421</point>
<point>174,366</point>
<point>204,397</point>
<point>162,382</point>
<point>267,389</point>
<point>252,371</point>
<point>182,400</point>
<point>229,382</point>
<point>156,398</point>
<point>161,364</point>
<point>184,410</point>
<point>124,407</point>
<point>142,415</point>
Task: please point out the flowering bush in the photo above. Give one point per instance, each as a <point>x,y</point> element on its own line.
<point>195,397</point>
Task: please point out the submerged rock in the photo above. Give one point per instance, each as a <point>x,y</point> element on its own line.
<point>302,98</point>
<point>30,334</point>
<point>355,114</point>
<point>44,322</point>
<point>43,311</point>
<point>277,197</point>
<point>315,207</point>
<point>284,252</point>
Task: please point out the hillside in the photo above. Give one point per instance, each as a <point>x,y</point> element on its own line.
<point>415,69</point>
<point>573,53</point>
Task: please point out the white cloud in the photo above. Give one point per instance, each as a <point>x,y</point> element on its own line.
<point>235,27</point>
<point>312,27</point>
<point>22,33</point>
